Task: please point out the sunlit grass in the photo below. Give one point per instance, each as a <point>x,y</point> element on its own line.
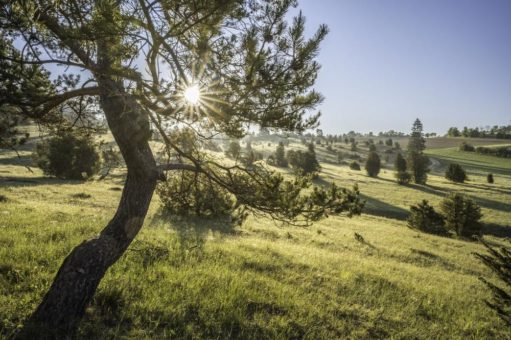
<point>194,279</point>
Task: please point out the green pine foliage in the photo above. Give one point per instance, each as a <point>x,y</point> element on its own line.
<point>490,179</point>
<point>417,161</point>
<point>462,215</point>
<point>68,156</point>
<point>355,166</point>
<point>419,167</point>
<point>280,156</point>
<point>304,163</point>
<point>402,176</point>
<point>423,217</point>
<point>373,164</point>
<point>186,193</point>
<point>455,173</point>
<point>499,262</point>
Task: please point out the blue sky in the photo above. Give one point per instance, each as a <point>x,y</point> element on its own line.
<point>386,62</point>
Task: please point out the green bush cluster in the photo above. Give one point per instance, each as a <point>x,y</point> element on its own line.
<point>186,193</point>
<point>354,166</point>
<point>459,214</point>
<point>68,155</point>
<point>373,164</point>
<point>455,173</point>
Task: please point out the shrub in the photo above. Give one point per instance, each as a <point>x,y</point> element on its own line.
<point>280,156</point>
<point>489,178</point>
<point>503,151</point>
<point>389,142</point>
<point>186,193</point>
<point>340,156</point>
<point>403,177</point>
<point>462,215</point>
<point>373,164</point>
<point>234,149</point>
<point>304,162</point>
<point>467,147</point>
<point>423,217</point>
<point>68,156</point>
<point>455,173</point>
<point>372,147</point>
<point>354,165</point>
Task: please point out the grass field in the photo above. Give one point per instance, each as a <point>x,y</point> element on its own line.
<point>202,279</point>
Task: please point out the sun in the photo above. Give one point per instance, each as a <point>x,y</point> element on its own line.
<point>192,94</point>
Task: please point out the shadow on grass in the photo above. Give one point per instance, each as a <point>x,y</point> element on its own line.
<point>15,181</point>
<point>21,160</point>
<point>200,226</point>
<point>496,230</point>
<point>379,208</point>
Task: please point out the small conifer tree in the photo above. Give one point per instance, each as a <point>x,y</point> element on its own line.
<point>455,173</point>
<point>462,215</point>
<point>373,164</point>
<point>423,217</point>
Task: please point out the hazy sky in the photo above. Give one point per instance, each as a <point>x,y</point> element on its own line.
<point>386,62</point>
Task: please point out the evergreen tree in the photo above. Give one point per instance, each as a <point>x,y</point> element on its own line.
<point>304,163</point>
<point>419,167</point>
<point>424,218</point>
<point>263,75</point>
<point>499,262</point>
<point>455,173</point>
<point>417,143</point>
<point>234,149</point>
<point>402,175</point>
<point>280,156</point>
<point>68,156</point>
<point>355,166</point>
<point>417,161</point>
<point>373,164</point>
<point>489,178</point>
<point>462,215</point>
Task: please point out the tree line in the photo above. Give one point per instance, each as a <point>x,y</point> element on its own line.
<point>499,132</point>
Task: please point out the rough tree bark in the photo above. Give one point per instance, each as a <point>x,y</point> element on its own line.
<point>78,278</point>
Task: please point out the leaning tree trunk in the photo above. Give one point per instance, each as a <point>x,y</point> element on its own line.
<point>81,272</point>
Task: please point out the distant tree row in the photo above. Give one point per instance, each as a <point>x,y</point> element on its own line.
<point>500,151</point>
<point>499,132</point>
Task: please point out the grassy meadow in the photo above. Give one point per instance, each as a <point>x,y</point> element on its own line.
<point>191,278</point>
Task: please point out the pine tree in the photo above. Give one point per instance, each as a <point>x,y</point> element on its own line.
<point>489,178</point>
<point>261,76</point>
<point>462,215</point>
<point>373,164</point>
<point>402,175</point>
<point>455,173</point>
<point>417,161</point>
<point>417,143</point>
<point>424,218</point>
<point>499,262</point>
<point>280,156</point>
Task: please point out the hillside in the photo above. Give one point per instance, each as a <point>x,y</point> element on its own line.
<point>190,278</point>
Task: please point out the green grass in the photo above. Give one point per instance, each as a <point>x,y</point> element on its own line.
<point>200,279</point>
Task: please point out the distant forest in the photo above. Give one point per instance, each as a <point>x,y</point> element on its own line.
<point>500,132</point>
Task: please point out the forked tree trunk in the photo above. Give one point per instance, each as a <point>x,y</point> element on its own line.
<point>81,272</point>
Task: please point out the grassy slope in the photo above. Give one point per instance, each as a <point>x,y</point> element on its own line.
<point>200,279</point>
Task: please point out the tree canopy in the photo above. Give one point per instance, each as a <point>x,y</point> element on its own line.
<point>133,62</point>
